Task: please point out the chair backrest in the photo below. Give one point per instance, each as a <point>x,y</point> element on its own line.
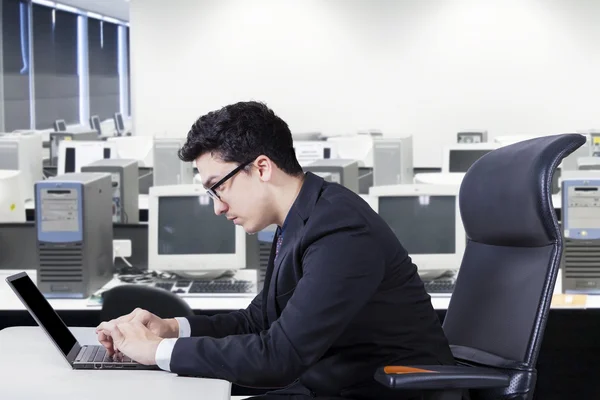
<point>123,299</point>
<point>498,311</point>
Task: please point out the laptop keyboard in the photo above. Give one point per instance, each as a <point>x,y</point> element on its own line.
<point>98,354</point>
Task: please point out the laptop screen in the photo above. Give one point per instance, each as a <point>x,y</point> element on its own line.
<point>42,311</point>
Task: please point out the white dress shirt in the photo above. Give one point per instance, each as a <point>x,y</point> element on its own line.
<point>165,347</point>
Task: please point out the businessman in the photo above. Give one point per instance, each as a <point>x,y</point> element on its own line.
<point>341,296</point>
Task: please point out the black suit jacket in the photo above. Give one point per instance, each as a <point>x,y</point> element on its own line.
<point>342,298</point>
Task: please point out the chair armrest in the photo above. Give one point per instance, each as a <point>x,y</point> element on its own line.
<point>436,377</point>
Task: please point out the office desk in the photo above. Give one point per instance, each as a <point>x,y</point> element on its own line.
<point>216,302</point>
<point>567,365</point>
<point>32,368</point>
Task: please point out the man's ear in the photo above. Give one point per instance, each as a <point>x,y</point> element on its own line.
<point>265,167</point>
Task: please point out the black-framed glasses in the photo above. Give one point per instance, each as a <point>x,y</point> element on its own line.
<point>212,191</point>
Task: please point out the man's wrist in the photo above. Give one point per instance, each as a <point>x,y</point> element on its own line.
<point>173,328</point>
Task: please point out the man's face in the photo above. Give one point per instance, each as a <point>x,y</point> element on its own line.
<point>242,198</point>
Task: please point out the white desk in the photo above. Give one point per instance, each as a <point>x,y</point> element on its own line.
<point>10,302</point>
<point>32,368</point>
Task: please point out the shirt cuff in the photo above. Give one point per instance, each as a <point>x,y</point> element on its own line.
<point>184,327</point>
<point>164,352</point>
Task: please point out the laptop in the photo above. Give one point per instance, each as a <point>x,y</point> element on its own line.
<point>78,356</point>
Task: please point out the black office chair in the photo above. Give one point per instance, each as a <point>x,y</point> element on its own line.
<point>123,299</point>
<point>497,314</point>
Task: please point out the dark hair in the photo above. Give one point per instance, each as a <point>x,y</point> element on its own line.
<point>241,132</point>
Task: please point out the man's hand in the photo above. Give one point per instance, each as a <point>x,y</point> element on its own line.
<point>135,341</point>
<point>162,328</point>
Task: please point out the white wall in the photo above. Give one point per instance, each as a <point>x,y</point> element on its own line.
<point>425,68</point>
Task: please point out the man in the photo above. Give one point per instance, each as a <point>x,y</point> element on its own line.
<point>341,297</point>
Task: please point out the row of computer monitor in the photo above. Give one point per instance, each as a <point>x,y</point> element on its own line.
<point>425,218</point>
<point>60,125</point>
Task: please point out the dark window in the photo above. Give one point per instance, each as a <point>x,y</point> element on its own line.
<point>55,72</point>
<point>15,58</point>
<point>104,68</point>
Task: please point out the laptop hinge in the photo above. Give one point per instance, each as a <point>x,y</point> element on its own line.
<point>73,353</point>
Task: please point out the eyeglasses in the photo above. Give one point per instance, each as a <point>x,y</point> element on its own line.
<point>212,191</point>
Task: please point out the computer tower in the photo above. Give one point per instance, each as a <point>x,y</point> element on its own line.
<point>168,168</point>
<point>57,137</point>
<point>472,137</point>
<point>344,172</point>
<point>581,230</point>
<point>265,243</point>
<point>392,161</point>
<point>73,217</point>
<point>23,152</point>
<point>125,187</point>
<point>594,143</point>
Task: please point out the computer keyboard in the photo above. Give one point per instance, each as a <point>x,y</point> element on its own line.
<point>190,287</point>
<point>441,286</point>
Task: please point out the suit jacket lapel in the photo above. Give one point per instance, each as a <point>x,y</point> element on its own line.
<point>297,216</point>
<point>294,226</point>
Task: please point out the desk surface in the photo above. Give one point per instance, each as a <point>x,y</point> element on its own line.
<point>32,368</point>
<point>10,302</point>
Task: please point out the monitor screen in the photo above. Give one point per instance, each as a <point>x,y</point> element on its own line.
<point>95,123</point>
<point>60,126</point>
<point>77,157</point>
<point>188,225</point>
<point>423,224</point>
<point>461,160</point>
<point>119,122</point>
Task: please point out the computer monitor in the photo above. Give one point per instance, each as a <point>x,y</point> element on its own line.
<point>119,123</point>
<point>440,178</point>
<point>507,140</point>
<point>354,147</point>
<point>344,172</point>
<point>72,155</point>
<point>12,203</point>
<point>460,157</point>
<point>426,219</point>
<point>95,124</point>
<point>308,151</point>
<point>23,151</point>
<point>471,136</point>
<point>186,237</point>
<point>138,148</point>
<point>60,125</point>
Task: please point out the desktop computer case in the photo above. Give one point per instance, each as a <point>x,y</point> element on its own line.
<point>77,268</point>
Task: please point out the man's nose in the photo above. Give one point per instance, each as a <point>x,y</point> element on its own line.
<point>220,207</point>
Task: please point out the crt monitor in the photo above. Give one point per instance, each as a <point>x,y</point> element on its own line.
<point>138,148</point>
<point>72,155</point>
<point>186,237</point>
<point>60,125</point>
<point>460,157</point>
<point>12,202</point>
<point>426,219</point>
<point>95,124</point>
